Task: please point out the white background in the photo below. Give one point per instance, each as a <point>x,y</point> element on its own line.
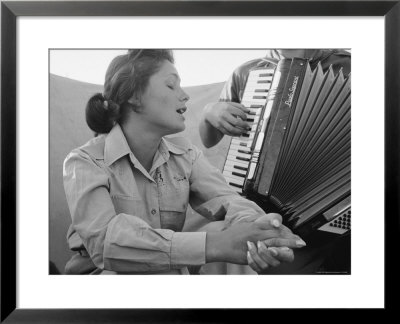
<point>363,288</point>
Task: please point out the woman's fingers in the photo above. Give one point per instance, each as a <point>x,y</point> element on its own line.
<point>256,258</point>
<point>293,243</point>
<point>268,255</point>
<point>252,264</point>
<point>269,220</point>
<point>283,254</point>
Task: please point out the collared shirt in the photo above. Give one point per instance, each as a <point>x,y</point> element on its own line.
<point>234,87</point>
<point>130,220</point>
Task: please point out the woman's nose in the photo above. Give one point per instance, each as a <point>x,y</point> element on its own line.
<point>184,96</point>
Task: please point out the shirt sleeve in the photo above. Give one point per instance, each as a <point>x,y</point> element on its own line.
<point>232,88</point>
<point>121,242</point>
<point>213,198</point>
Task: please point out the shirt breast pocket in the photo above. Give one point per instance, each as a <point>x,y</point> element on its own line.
<point>127,205</point>
<point>173,201</point>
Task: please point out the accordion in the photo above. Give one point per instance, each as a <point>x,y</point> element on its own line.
<point>296,159</point>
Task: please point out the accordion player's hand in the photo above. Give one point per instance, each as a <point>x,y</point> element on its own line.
<point>228,117</point>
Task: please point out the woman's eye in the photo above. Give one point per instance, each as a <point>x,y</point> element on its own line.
<point>171,87</point>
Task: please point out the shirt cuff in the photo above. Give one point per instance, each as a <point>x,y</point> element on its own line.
<point>188,249</point>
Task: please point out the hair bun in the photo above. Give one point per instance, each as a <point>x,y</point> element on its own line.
<point>101,114</point>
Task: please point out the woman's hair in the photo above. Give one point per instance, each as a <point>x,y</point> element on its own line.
<point>127,77</point>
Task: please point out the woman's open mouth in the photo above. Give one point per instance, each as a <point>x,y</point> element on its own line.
<point>181,110</point>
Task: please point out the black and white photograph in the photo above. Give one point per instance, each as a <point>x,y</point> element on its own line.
<point>200,161</point>
<point>248,150</point>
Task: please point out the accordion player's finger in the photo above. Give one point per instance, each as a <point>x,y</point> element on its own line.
<point>237,121</point>
<point>228,129</point>
<point>239,111</point>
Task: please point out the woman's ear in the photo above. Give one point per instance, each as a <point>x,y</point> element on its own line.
<point>135,102</point>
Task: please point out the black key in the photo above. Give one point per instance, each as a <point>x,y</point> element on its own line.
<point>239,167</point>
<point>239,174</point>
<point>235,185</point>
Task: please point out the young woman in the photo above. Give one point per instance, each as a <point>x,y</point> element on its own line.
<point>128,188</point>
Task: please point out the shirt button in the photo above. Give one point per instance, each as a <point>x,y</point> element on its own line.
<point>153,211</point>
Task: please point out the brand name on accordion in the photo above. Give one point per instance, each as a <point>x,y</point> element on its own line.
<point>292,89</point>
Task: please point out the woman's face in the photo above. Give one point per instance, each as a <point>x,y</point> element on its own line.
<point>164,102</point>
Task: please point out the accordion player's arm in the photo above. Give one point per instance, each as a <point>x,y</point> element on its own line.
<point>213,198</point>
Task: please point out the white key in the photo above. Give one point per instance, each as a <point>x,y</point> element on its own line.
<point>237,163</point>
<point>233,179</point>
<point>238,190</point>
<point>235,158</point>
<point>234,174</point>
<point>240,148</point>
<point>260,77</point>
<point>231,168</point>
<point>239,155</point>
<point>250,136</point>
<point>255,92</point>
<point>261,71</point>
<point>253,111</point>
<point>254,101</point>
<point>246,145</point>
<point>251,85</point>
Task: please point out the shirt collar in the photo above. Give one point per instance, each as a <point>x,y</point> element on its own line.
<point>116,145</point>
<point>167,146</point>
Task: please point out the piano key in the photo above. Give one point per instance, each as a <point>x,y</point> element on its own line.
<point>261,72</point>
<point>247,136</point>
<point>252,96</point>
<point>240,165</point>
<point>255,92</point>
<point>253,111</point>
<point>238,189</point>
<point>254,108</point>
<point>238,162</point>
<point>260,78</point>
<point>241,155</point>
<point>233,179</point>
<point>260,101</point>
<point>253,120</point>
<point>244,143</point>
<point>238,158</point>
<point>234,173</point>
<point>256,85</point>
<point>236,170</point>
<point>240,148</point>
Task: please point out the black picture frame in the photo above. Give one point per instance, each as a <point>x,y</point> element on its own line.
<point>10,11</point>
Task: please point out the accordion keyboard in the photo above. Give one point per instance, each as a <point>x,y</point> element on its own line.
<point>240,150</point>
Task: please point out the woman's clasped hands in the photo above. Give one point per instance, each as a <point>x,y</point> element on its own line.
<point>261,244</point>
